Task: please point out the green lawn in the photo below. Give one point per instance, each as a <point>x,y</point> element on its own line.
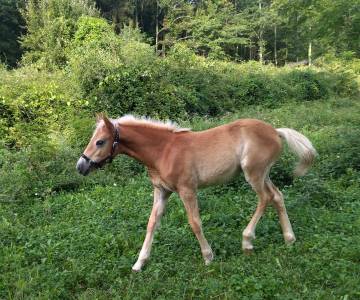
<point>82,244</point>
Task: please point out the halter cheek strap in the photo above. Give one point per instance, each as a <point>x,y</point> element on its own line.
<point>109,158</point>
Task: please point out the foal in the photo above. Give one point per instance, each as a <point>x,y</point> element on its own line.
<point>179,160</point>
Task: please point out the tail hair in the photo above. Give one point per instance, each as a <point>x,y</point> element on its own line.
<point>301,146</point>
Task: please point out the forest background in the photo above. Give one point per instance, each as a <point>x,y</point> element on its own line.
<point>201,63</point>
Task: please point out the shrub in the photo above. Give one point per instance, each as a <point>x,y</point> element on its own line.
<point>91,30</point>
<point>341,155</point>
<point>51,26</point>
<point>90,65</point>
<point>35,103</point>
<point>94,53</point>
<point>306,84</point>
<point>126,76</point>
<point>138,91</point>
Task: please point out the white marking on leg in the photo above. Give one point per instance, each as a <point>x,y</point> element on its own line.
<point>160,199</point>
<point>257,181</point>
<point>249,232</point>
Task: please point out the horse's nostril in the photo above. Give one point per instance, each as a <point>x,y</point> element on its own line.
<point>82,167</point>
<point>78,166</point>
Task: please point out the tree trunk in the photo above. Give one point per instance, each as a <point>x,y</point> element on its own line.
<point>250,51</point>
<point>261,52</point>
<point>136,15</point>
<point>275,48</point>
<point>157,28</point>
<point>261,41</point>
<point>310,50</point>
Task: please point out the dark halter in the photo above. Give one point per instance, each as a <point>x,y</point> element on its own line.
<point>109,158</point>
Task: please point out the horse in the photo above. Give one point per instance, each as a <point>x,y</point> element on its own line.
<point>181,160</point>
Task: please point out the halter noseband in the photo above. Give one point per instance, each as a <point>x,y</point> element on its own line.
<point>109,158</point>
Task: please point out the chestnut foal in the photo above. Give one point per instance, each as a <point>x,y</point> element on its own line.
<point>179,160</point>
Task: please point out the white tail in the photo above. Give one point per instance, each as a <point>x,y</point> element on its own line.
<point>301,146</point>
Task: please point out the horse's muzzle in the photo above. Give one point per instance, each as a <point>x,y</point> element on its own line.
<point>83,166</point>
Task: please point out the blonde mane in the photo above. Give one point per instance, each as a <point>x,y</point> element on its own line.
<point>147,122</point>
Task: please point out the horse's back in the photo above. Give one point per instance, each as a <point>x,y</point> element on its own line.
<point>217,154</point>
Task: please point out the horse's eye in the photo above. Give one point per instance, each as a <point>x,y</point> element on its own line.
<point>100,142</point>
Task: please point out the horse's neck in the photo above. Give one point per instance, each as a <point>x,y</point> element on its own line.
<point>143,143</point>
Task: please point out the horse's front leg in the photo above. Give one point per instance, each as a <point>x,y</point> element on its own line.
<point>188,196</point>
<point>160,198</point>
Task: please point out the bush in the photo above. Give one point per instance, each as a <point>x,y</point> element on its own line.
<point>51,25</point>
<point>138,91</point>
<point>127,77</point>
<point>342,155</point>
<point>306,84</point>
<point>94,53</point>
<point>90,30</point>
<point>33,104</point>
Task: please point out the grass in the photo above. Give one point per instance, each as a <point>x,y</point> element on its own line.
<point>82,244</point>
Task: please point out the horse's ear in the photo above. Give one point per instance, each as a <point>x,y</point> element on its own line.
<point>99,117</point>
<point>103,117</point>
<point>108,123</point>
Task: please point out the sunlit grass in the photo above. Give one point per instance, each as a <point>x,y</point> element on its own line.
<point>82,243</point>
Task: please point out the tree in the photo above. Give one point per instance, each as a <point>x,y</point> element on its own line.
<point>338,26</point>
<point>11,28</point>
<point>51,25</point>
<point>211,28</point>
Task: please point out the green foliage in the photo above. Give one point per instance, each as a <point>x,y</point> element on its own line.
<point>35,107</point>
<point>94,53</point>
<point>126,76</point>
<point>307,84</point>
<point>140,92</point>
<point>342,156</point>
<point>275,31</point>
<point>67,236</point>
<point>91,30</point>
<point>81,238</point>
<point>38,170</point>
<point>51,25</point>
<point>214,29</point>
<point>338,25</point>
<point>346,69</point>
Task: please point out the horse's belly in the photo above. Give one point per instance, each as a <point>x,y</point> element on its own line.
<point>217,171</point>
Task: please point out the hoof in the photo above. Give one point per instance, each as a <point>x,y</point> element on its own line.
<point>137,267</point>
<point>289,238</point>
<point>248,250</point>
<point>208,258</point>
<point>136,270</point>
<point>247,247</point>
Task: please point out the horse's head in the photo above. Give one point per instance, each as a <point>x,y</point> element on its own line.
<point>101,148</point>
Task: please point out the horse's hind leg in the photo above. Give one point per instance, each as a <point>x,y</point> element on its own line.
<point>278,201</point>
<point>256,178</point>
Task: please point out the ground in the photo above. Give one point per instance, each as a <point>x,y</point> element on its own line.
<point>82,244</point>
